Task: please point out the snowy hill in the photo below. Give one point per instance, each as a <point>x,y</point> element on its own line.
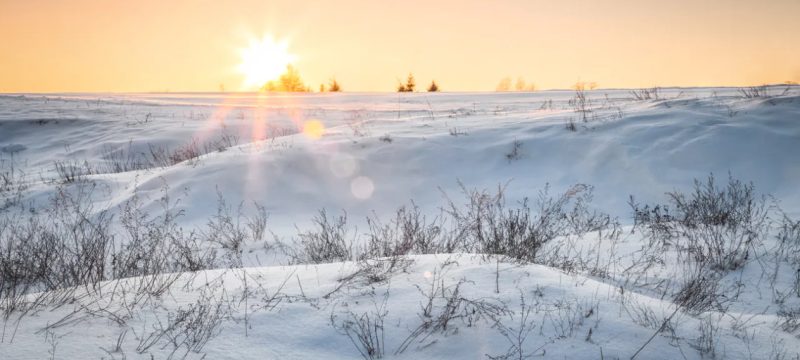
<point>496,225</point>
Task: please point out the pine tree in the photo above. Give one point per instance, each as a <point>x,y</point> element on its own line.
<point>433,87</point>
<point>290,81</point>
<point>410,84</point>
<point>334,86</point>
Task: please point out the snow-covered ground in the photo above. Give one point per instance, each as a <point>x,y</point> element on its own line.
<point>366,155</point>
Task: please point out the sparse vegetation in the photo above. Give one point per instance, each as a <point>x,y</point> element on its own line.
<point>581,104</point>
<point>330,242</point>
<point>289,81</point>
<point>646,94</point>
<point>571,125</point>
<point>454,131</point>
<point>166,276</point>
<point>66,250</point>
<point>754,91</point>
<point>386,138</point>
<point>334,86</point>
<point>118,160</point>
<point>515,153</point>
<point>408,86</point>
<point>365,330</point>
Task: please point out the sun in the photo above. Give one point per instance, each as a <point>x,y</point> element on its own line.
<point>263,60</point>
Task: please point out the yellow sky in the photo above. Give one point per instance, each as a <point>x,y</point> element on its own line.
<point>157,45</point>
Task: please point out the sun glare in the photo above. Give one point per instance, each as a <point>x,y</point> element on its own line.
<point>263,60</point>
<point>313,129</point>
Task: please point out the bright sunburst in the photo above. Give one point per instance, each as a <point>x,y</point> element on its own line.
<point>264,60</point>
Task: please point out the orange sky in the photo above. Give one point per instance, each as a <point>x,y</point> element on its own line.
<point>183,45</point>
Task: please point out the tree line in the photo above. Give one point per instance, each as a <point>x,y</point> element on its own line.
<point>290,81</point>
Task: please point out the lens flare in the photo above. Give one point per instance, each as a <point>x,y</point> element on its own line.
<point>342,165</point>
<point>362,187</point>
<point>313,129</point>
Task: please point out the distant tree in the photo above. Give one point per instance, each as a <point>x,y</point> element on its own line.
<point>401,87</point>
<point>289,81</point>
<point>433,87</point>
<point>582,85</point>
<point>520,84</point>
<point>504,85</point>
<point>270,86</point>
<point>410,83</point>
<point>334,86</point>
<point>321,87</point>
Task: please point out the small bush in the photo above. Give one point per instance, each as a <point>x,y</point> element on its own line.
<point>232,232</point>
<point>571,125</point>
<point>433,87</point>
<point>752,92</point>
<point>515,153</point>
<point>65,246</point>
<point>581,104</point>
<point>365,330</point>
<point>328,243</point>
<point>646,94</point>
<point>386,138</point>
<point>445,306</point>
<point>454,131</point>
<point>699,290</point>
<point>71,171</point>
<point>13,185</point>
<point>408,232</point>
<point>721,224</point>
<point>486,225</point>
<point>190,327</point>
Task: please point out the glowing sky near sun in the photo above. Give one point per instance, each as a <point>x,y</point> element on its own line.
<point>182,45</point>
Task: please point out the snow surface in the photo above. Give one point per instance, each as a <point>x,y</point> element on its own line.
<point>381,151</point>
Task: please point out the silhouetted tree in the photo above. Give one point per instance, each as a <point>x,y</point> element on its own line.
<point>433,87</point>
<point>289,81</point>
<point>408,86</point>
<point>334,86</point>
<point>582,85</point>
<point>410,83</point>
